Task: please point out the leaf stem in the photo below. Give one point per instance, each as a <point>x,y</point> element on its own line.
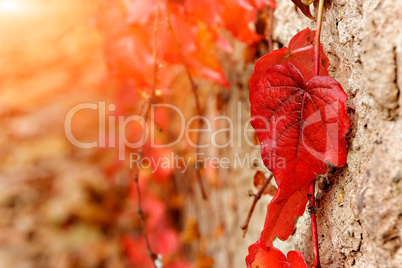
<point>317,39</point>
<point>195,94</point>
<point>313,210</point>
<point>270,29</point>
<point>257,197</point>
<point>145,115</point>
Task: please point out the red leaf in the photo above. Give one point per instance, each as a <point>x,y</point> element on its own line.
<point>273,258</point>
<point>197,44</point>
<point>300,126</point>
<point>141,12</point>
<point>281,214</point>
<point>125,45</point>
<point>240,11</point>
<point>300,53</point>
<point>207,11</point>
<point>245,4</point>
<point>304,9</point>
<point>296,259</point>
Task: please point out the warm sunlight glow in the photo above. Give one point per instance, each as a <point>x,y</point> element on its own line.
<point>12,6</point>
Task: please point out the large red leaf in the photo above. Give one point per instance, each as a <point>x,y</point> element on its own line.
<point>300,53</point>
<point>300,126</point>
<point>273,258</point>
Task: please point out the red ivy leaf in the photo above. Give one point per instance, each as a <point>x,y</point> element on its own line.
<point>207,11</point>
<point>240,10</point>
<point>281,214</point>
<point>304,9</point>
<point>273,258</point>
<point>296,259</point>
<point>300,53</point>
<point>300,126</point>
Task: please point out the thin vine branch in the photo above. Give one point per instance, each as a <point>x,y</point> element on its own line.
<point>270,29</point>
<point>257,197</point>
<point>145,115</point>
<point>312,208</point>
<point>317,39</point>
<point>195,94</point>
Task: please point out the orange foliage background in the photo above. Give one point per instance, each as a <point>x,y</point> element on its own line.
<point>63,206</point>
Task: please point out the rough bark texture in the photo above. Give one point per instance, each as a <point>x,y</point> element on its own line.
<point>360,205</point>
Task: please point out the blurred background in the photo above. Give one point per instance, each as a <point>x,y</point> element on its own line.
<point>63,206</point>
<point>58,206</point>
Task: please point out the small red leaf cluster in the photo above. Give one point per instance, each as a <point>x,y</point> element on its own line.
<point>128,28</point>
<point>301,122</point>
